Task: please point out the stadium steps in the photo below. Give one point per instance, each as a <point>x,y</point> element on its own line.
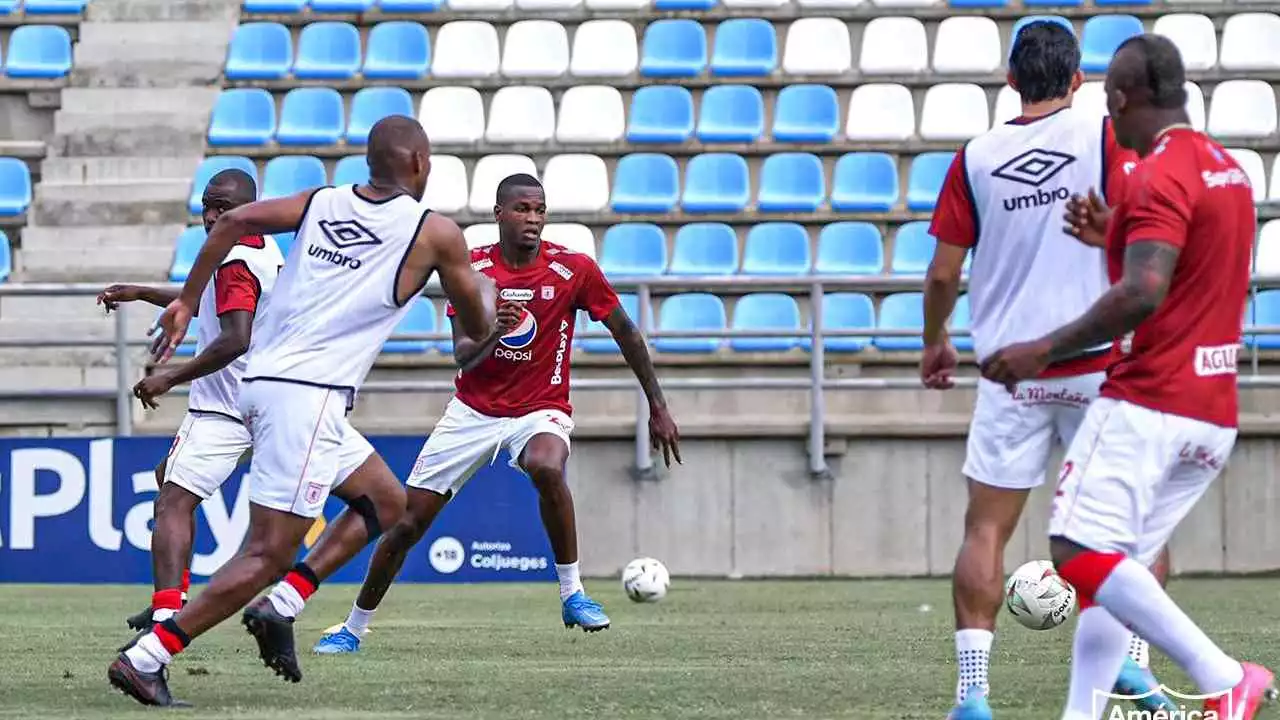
<point>149,54</point>
<point>133,121</point>
<point>96,254</point>
<point>108,202</point>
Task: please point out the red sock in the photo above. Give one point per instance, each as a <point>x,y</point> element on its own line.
<point>168,599</point>
<point>306,586</point>
<point>186,581</point>
<point>1086,572</point>
<point>172,637</point>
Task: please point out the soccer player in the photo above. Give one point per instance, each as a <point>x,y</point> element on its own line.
<point>1179,249</point>
<point>362,256</point>
<point>1003,198</point>
<point>513,394</point>
<point>212,437</point>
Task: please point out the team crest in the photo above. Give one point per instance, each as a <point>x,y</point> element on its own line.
<point>315,491</point>
<point>548,292</point>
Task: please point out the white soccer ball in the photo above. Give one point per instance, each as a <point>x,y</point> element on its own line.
<point>645,580</point>
<point>1038,597</point>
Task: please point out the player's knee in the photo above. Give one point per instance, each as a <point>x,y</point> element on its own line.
<point>987,531</point>
<point>173,501</point>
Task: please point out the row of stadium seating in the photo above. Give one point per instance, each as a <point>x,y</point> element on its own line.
<point>395,6</point>
<point>43,7</point>
<point>38,51</point>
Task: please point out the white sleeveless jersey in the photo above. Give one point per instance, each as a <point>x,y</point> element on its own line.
<point>335,300</point>
<point>1028,277</point>
<point>219,392</point>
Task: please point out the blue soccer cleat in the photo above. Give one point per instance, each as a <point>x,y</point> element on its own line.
<point>581,611</point>
<point>973,707</point>
<point>337,643</point>
<point>1139,684</point>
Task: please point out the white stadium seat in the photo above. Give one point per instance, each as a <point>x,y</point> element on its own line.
<point>604,48</point>
<point>521,114</point>
<point>576,184</point>
<point>838,4</point>
<point>881,111</point>
<point>755,3</point>
<point>905,3</point>
<point>954,111</point>
<point>818,46</point>
<point>617,4</point>
<point>590,114</point>
<point>481,235</point>
<point>1242,109</point>
<point>1273,194</point>
<point>1195,36</point>
<point>1267,259</point>
<point>1251,162</point>
<point>1008,106</point>
<point>490,171</point>
<point>1195,105</point>
<point>452,115</point>
<point>1249,42</point>
<point>967,44</point>
<point>1194,2</point>
<point>535,48</point>
<point>465,49</point>
<point>548,4</point>
<point>1091,98</point>
<point>571,236</point>
<point>474,5</point>
<point>446,185</point>
<point>895,46</point>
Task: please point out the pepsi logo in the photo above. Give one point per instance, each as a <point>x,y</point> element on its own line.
<point>522,335</point>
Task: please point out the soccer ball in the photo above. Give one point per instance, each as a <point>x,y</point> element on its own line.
<point>645,580</point>
<point>1038,597</point>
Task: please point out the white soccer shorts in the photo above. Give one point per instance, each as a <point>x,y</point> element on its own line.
<point>303,445</point>
<point>205,451</point>
<point>1132,475</point>
<point>465,441</point>
<point>1011,436</point>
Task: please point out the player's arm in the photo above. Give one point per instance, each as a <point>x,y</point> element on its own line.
<point>468,352</point>
<point>231,343</point>
<point>663,433</point>
<point>471,295</point>
<point>113,295</point>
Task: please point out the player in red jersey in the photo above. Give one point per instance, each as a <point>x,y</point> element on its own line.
<point>513,394</point>
<point>1179,250</point>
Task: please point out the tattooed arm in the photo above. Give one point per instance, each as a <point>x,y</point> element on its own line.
<point>663,433</point>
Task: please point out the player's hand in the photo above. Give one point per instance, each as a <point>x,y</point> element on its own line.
<point>152,387</point>
<point>1015,363</point>
<point>938,365</point>
<point>113,295</point>
<point>664,434</point>
<point>173,324</point>
<point>1086,219</point>
<point>509,314</point>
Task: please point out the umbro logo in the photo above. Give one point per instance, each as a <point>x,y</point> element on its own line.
<point>1034,167</point>
<point>347,233</point>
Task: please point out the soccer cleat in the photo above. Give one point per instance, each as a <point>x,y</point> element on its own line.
<point>274,633</point>
<point>1245,700</point>
<point>973,707</point>
<point>1138,683</point>
<point>148,688</point>
<point>581,611</point>
<point>141,621</point>
<point>337,643</point>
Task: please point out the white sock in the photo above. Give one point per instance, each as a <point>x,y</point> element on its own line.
<point>358,620</point>
<point>286,600</point>
<point>161,614</point>
<point>973,657</point>
<point>1140,651</point>
<point>570,583</point>
<point>148,654</point>
<point>1132,594</point>
<point>1097,652</point>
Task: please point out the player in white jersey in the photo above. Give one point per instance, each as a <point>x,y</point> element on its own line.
<point>212,438</point>
<point>363,253</point>
<point>1004,198</point>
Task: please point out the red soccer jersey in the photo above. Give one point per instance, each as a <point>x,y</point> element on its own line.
<point>528,370</point>
<point>1181,360</point>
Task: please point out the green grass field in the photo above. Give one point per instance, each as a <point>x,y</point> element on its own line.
<point>712,649</point>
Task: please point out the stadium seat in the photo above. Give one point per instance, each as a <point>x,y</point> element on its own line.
<point>817,46</point>
<point>576,184</point>
<point>978,3</point>
<point>284,241</point>
<point>1266,312</point>
<point>479,5</point>
<point>660,114</point>
<point>925,181</point>
<point>481,235</point>
<point>954,111</point>
<point>327,51</point>
<point>645,183</point>
<point>1274,194</point>
<point>15,186</point>
<point>633,250</point>
<point>881,111</point>
<point>961,318</point>
<point>571,236</point>
<point>354,170</point>
<point>744,47</point>
<point>1267,255</point>
<point>776,248</point>
<point>452,115</point>
<point>661,5</point>
<point>849,248</point>
<point>912,249</point>
<point>673,48</point>
<point>630,303</point>
<point>736,4</point>
<point>8,6</point>
<point>1242,109</point>
<point>311,116</point>
<point>371,104</point>
<point>731,113</point>
<point>1101,36</point>
<point>1195,36</point>
<point>967,44</point>
<point>421,318</point>
<point>54,7</point>
<point>846,311</point>
<point>184,256</point>
<point>865,182</point>
<point>545,5</point>
<point>1091,98</point>
<point>243,116</point>
<point>590,114</point>
<point>39,51</point>
<point>791,182</point>
<point>340,6</point>
<point>274,6</point>
<point>716,182</point>
<point>259,51</point>
<point>211,166</point>
<point>397,51</point>
<point>489,171</point>
<point>901,311</point>
<point>704,249</point>
<point>409,6</point>
<point>521,114</point>
<point>690,311</point>
<point>617,4</point>
<point>466,49</point>
<point>290,174</point>
<point>535,49</point>
<point>1009,105</point>
<point>1249,42</point>
<point>1251,162</point>
<point>829,4</point>
<point>6,257</point>
<point>766,311</point>
<point>894,46</point>
<point>604,48</point>
<point>1195,105</point>
<point>446,185</point>
<point>806,113</point>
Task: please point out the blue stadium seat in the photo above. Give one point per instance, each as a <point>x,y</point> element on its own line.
<point>372,104</point>
<point>259,51</point>
<point>731,113</point>
<point>704,249</point>
<point>1023,22</point>
<point>744,47</point>
<point>55,7</point>
<point>912,249</point>
<point>351,170</point>
<point>766,311</point>
<point>716,182</point>
<point>284,241</point>
<point>630,303</point>
<point>1123,2</point>
<point>6,257</point>
<point>243,116</point>
<point>290,174</point>
<point>1054,3</point>
<point>15,187</point>
<point>645,182</point>
<point>421,318</point>
<point>410,5</point>
<point>901,311</point>
<point>846,311</point>
<point>928,171</point>
<point>850,248</point>
<point>39,51</point>
<point>274,6</point>
<point>960,320</point>
<point>397,50</point>
<point>865,182</point>
<point>660,114</point>
<point>184,255</point>
<point>806,113</point>
<point>8,6</point>
<point>212,166</point>
<point>1102,35</point>
<point>311,116</point>
<point>690,311</point>
<point>633,249</point>
<point>1266,311</point>
<point>776,248</point>
<point>327,51</point>
<point>673,48</point>
<point>978,3</point>
<point>684,4</point>
<point>343,6</point>
<point>791,182</point>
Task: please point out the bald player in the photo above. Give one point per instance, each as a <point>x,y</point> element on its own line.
<point>362,255</point>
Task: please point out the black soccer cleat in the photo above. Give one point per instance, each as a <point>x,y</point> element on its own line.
<point>148,688</point>
<point>141,621</point>
<point>274,633</point>
<point>141,634</point>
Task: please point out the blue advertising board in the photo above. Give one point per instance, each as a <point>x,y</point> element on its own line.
<point>80,511</point>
